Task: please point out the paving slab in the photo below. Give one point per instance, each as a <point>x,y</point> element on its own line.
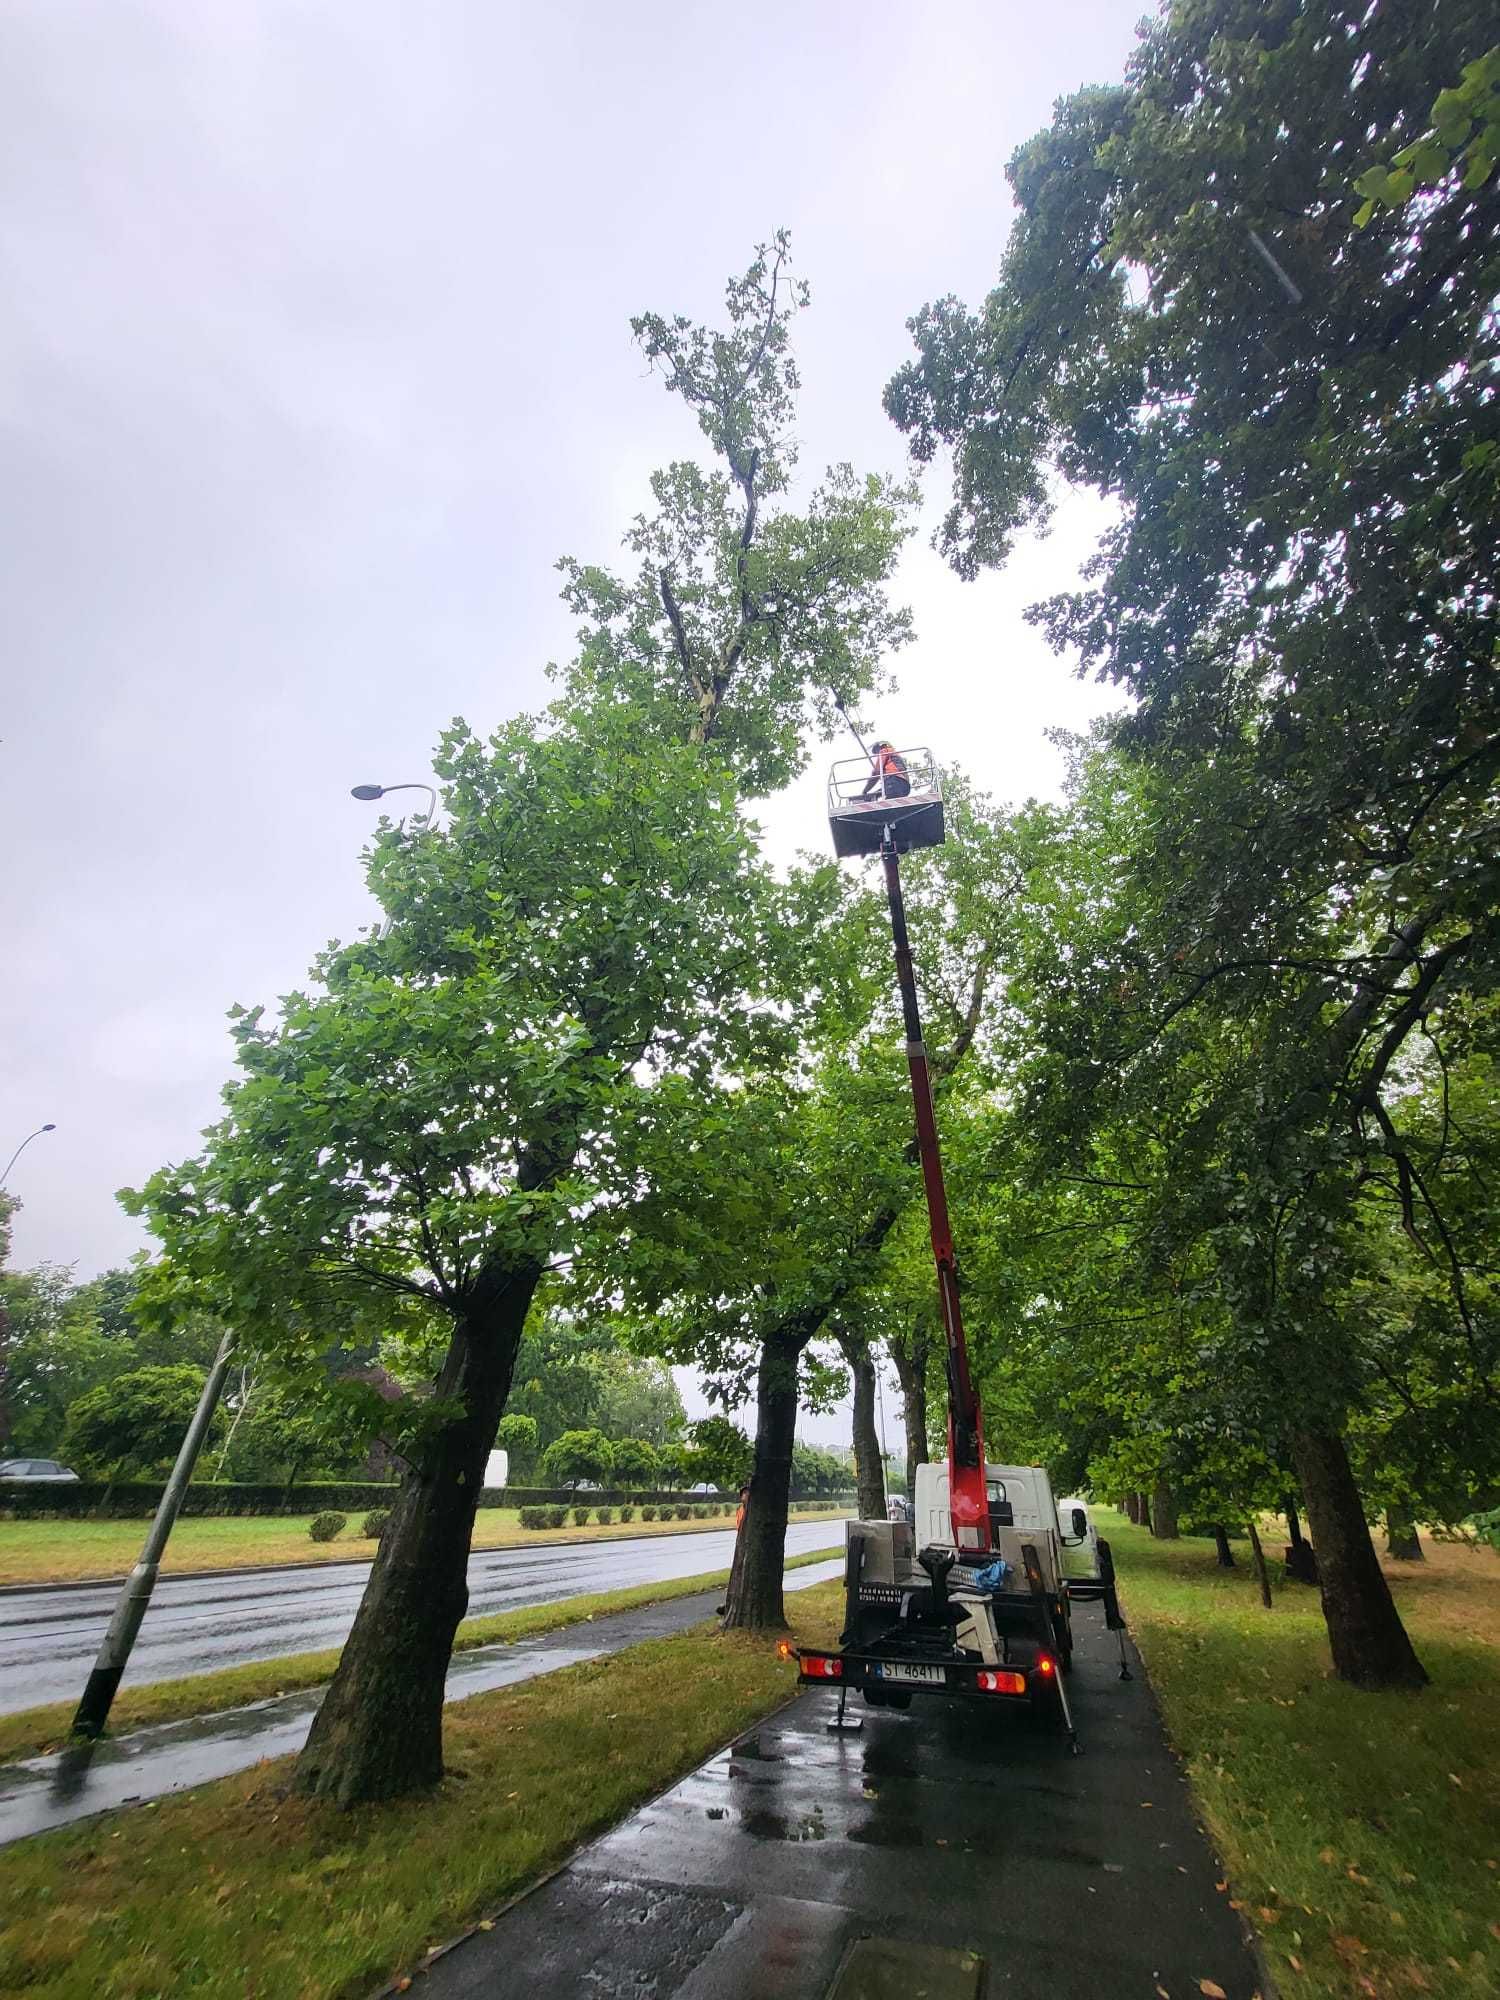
<point>943,1835</point>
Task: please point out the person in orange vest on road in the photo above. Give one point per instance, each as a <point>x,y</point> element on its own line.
<point>887,775</point>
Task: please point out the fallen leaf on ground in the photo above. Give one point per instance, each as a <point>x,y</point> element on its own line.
<point>1293,1961</point>
<point>1212,1989</point>
<point>1327,1856</point>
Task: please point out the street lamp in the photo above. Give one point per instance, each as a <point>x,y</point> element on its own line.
<point>379,792</point>
<point>22,1148</point>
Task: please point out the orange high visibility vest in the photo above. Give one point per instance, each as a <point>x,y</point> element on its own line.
<point>888,764</point>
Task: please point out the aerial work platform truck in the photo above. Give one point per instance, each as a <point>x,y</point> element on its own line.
<point>974,1597</point>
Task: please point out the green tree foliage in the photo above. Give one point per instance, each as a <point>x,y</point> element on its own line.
<point>578,1456</point>
<point>1463,140</point>
<point>422,1134</point>
<point>818,1474</point>
<point>722,1453</point>
<point>134,1423</point>
<point>635,1463</point>
<point>1292,416</point>
<point>519,1438</point>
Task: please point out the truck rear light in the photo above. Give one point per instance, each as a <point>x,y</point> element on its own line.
<point>822,1667</point>
<point>989,1681</point>
<point>785,1650</point>
<point>1046,1665</point>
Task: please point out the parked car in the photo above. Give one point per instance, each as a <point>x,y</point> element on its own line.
<point>44,1470</point>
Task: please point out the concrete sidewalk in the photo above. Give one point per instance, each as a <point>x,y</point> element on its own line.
<point>46,1792</point>
<point>972,1852</point>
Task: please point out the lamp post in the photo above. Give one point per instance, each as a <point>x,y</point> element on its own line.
<point>378,792</point>
<point>22,1148</point>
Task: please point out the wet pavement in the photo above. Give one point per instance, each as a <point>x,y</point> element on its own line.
<point>47,1792</point>
<point>48,1638</point>
<point>947,1850</point>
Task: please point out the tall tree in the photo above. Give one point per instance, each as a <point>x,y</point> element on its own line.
<point>426,1132</point>
<point>1294,418</point>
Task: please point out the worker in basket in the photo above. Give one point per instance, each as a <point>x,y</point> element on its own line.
<point>888,776</point>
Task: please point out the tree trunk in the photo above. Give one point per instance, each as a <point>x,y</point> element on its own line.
<point>869,1466</point>
<point>1221,1543</point>
<point>379,1732</point>
<point>1132,1506</point>
<point>754,1600</point>
<point>911,1373</point>
<point>1369,1643</point>
<point>1164,1512</point>
<point>1401,1538</point>
<point>1301,1564</point>
<point>1260,1562</point>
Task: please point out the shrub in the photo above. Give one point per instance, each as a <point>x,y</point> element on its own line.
<point>323,1527</point>
<point>628,1513</point>
<point>580,1517</point>
<point>701,1513</point>
<point>557,1517</point>
<point>684,1513</point>
<point>648,1512</point>
<point>604,1515</point>
<point>372,1527</point>
<point>533,1517</point>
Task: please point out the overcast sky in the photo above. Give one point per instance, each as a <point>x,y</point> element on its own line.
<point>315,356</point>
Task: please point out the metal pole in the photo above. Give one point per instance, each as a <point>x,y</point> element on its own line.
<point>130,1606</point>
<point>22,1148</point>
<point>968,1495</point>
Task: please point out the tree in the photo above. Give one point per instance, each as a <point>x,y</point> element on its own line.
<point>426,1133</point>
<point>517,1436</point>
<point>722,1454</point>
<point>674,1465</point>
<point>135,1422</point>
<point>1292,415</point>
<point>578,1456</point>
<point>636,1464</point>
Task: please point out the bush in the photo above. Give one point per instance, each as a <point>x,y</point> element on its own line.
<point>648,1512</point>
<point>557,1517</point>
<point>684,1513</point>
<point>372,1527</point>
<point>580,1517</point>
<point>533,1517</point>
<point>323,1527</point>
<point>604,1515</point>
<point>702,1513</point>
<point>628,1513</point>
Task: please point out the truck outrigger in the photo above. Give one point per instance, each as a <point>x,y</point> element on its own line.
<point>974,1597</point>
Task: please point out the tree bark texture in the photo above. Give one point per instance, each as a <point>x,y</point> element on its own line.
<point>379,1732</point>
<point>1164,1512</point>
<point>1401,1538</point>
<point>1301,1564</point>
<point>869,1467</point>
<point>1259,1555</point>
<point>1221,1543</point>
<point>1369,1643</point>
<point>911,1373</point>
<point>755,1600</point>
<point>1133,1513</point>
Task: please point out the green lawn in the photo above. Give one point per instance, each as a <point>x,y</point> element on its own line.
<point>31,1732</point>
<point>239,1889</point>
<point>73,1551</point>
<point>1361,1833</point>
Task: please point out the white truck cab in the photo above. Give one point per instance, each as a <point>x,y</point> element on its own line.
<point>1022,1510</point>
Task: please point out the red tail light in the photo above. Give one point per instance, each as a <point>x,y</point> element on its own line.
<point>822,1667</point>
<point>990,1681</point>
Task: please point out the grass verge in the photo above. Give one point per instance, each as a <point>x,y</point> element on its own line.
<point>31,1732</point>
<point>1361,1832</point>
<point>240,1889</point>
<point>103,1551</point>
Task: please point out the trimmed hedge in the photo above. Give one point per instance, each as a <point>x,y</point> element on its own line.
<point>137,1499</point>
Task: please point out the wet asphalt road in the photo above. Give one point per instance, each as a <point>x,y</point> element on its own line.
<point>74,1784</point>
<point>950,1851</point>
<point>48,1638</point>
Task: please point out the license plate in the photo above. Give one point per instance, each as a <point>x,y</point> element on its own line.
<point>902,1670</point>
